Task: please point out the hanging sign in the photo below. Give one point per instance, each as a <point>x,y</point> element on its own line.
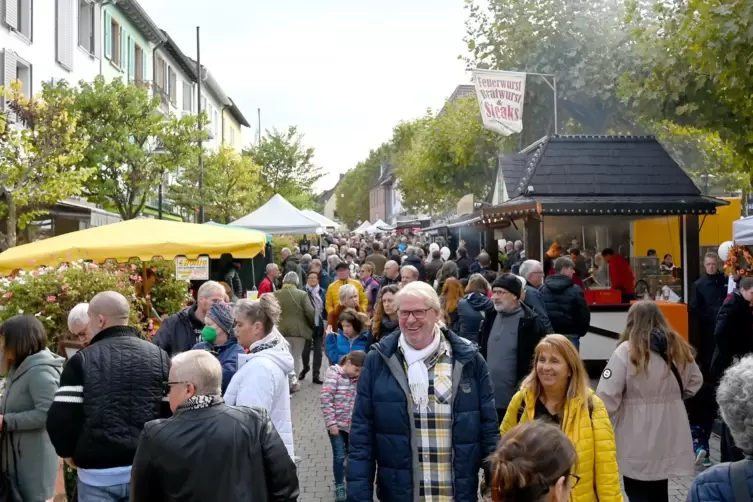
<point>192,270</point>
<point>500,98</point>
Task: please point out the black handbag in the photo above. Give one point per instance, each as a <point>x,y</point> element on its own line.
<point>8,485</point>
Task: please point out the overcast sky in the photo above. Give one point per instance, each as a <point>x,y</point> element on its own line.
<point>343,71</point>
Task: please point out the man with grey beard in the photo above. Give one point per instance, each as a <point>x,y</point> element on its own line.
<point>508,339</point>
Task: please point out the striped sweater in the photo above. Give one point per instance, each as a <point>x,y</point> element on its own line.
<point>338,396</point>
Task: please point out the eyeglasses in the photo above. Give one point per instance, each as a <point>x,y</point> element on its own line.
<point>418,315</point>
<point>575,480</point>
<point>169,385</point>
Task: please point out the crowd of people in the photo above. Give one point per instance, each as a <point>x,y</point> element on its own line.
<point>445,380</point>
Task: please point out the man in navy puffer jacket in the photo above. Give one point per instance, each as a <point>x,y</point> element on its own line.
<point>421,385</point>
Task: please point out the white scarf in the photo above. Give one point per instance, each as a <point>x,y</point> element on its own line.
<point>418,372</point>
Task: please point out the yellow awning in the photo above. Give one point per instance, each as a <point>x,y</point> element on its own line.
<point>142,238</point>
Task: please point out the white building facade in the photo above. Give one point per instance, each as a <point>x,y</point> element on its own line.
<point>46,41</point>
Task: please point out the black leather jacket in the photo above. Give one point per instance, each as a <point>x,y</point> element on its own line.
<point>220,453</point>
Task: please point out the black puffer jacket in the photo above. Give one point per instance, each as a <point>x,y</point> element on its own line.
<point>194,439</point>
<point>566,305</point>
<point>733,334</point>
<point>471,311</point>
<point>108,391</point>
<point>179,332</point>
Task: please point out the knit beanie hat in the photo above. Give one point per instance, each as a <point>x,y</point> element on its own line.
<point>509,283</point>
<point>222,314</point>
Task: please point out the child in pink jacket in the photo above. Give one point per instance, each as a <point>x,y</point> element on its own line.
<point>338,397</point>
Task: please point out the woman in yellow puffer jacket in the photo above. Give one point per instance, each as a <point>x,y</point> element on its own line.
<point>557,390</point>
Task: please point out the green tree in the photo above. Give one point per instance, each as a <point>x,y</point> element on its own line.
<point>695,60</point>
<point>40,162</point>
<point>585,44</point>
<point>354,190</point>
<point>132,143</point>
<point>231,186</point>
<point>440,159</point>
<point>286,167</point>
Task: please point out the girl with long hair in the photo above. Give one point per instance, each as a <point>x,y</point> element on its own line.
<point>557,391</point>
<point>385,314</point>
<point>452,293</point>
<point>643,386</point>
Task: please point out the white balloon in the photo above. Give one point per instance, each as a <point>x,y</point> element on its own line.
<point>724,249</point>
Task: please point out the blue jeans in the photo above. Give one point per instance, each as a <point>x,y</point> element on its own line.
<point>115,493</point>
<point>575,340</point>
<point>339,451</point>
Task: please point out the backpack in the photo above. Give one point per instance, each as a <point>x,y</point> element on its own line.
<point>522,409</point>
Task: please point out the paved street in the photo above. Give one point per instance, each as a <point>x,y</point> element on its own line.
<point>315,469</point>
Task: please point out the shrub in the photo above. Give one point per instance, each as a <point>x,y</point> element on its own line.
<point>50,293</point>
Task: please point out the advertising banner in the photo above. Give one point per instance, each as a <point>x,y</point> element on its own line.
<point>192,270</point>
<point>500,98</point>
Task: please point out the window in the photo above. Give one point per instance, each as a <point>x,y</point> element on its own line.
<point>159,76</point>
<point>64,33</point>
<point>116,42</point>
<point>18,16</point>
<point>232,136</point>
<point>25,12</point>
<point>216,121</point>
<point>187,97</point>
<point>23,73</point>
<point>139,63</point>
<point>172,84</point>
<point>86,26</point>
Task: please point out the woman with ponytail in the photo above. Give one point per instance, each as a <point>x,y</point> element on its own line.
<point>263,379</point>
<point>534,462</point>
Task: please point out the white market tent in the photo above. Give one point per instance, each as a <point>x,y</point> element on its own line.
<point>362,227</point>
<point>278,216</point>
<point>742,231</point>
<point>378,227</point>
<point>323,220</point>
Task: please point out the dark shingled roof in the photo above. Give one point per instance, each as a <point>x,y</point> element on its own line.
<point>600,174</point>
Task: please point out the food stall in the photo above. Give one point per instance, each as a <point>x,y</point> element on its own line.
<point>585,192</point>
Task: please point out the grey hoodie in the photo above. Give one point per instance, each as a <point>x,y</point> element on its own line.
<point>29,392</point>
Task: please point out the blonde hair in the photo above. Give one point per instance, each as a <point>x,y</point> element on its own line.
<point>643,318</point>
<point>578,385</point>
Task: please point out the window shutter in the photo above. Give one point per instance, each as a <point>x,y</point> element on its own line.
<point>65,33</point>
<point>108,35</point>
<point>123,51</point>
<point>11,14</point>
<point>131,59</point>
<point>97,13</point>
<point>9,75</point>
<point>144,66</point>
<point>173,85</point>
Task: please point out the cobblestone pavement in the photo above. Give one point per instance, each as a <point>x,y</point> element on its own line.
<point>315,468</point>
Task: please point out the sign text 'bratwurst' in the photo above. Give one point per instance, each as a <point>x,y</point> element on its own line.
<point>500,97</point>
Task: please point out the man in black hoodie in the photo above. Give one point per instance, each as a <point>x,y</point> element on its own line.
<point>464,263</point>
<point>565,302</point>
